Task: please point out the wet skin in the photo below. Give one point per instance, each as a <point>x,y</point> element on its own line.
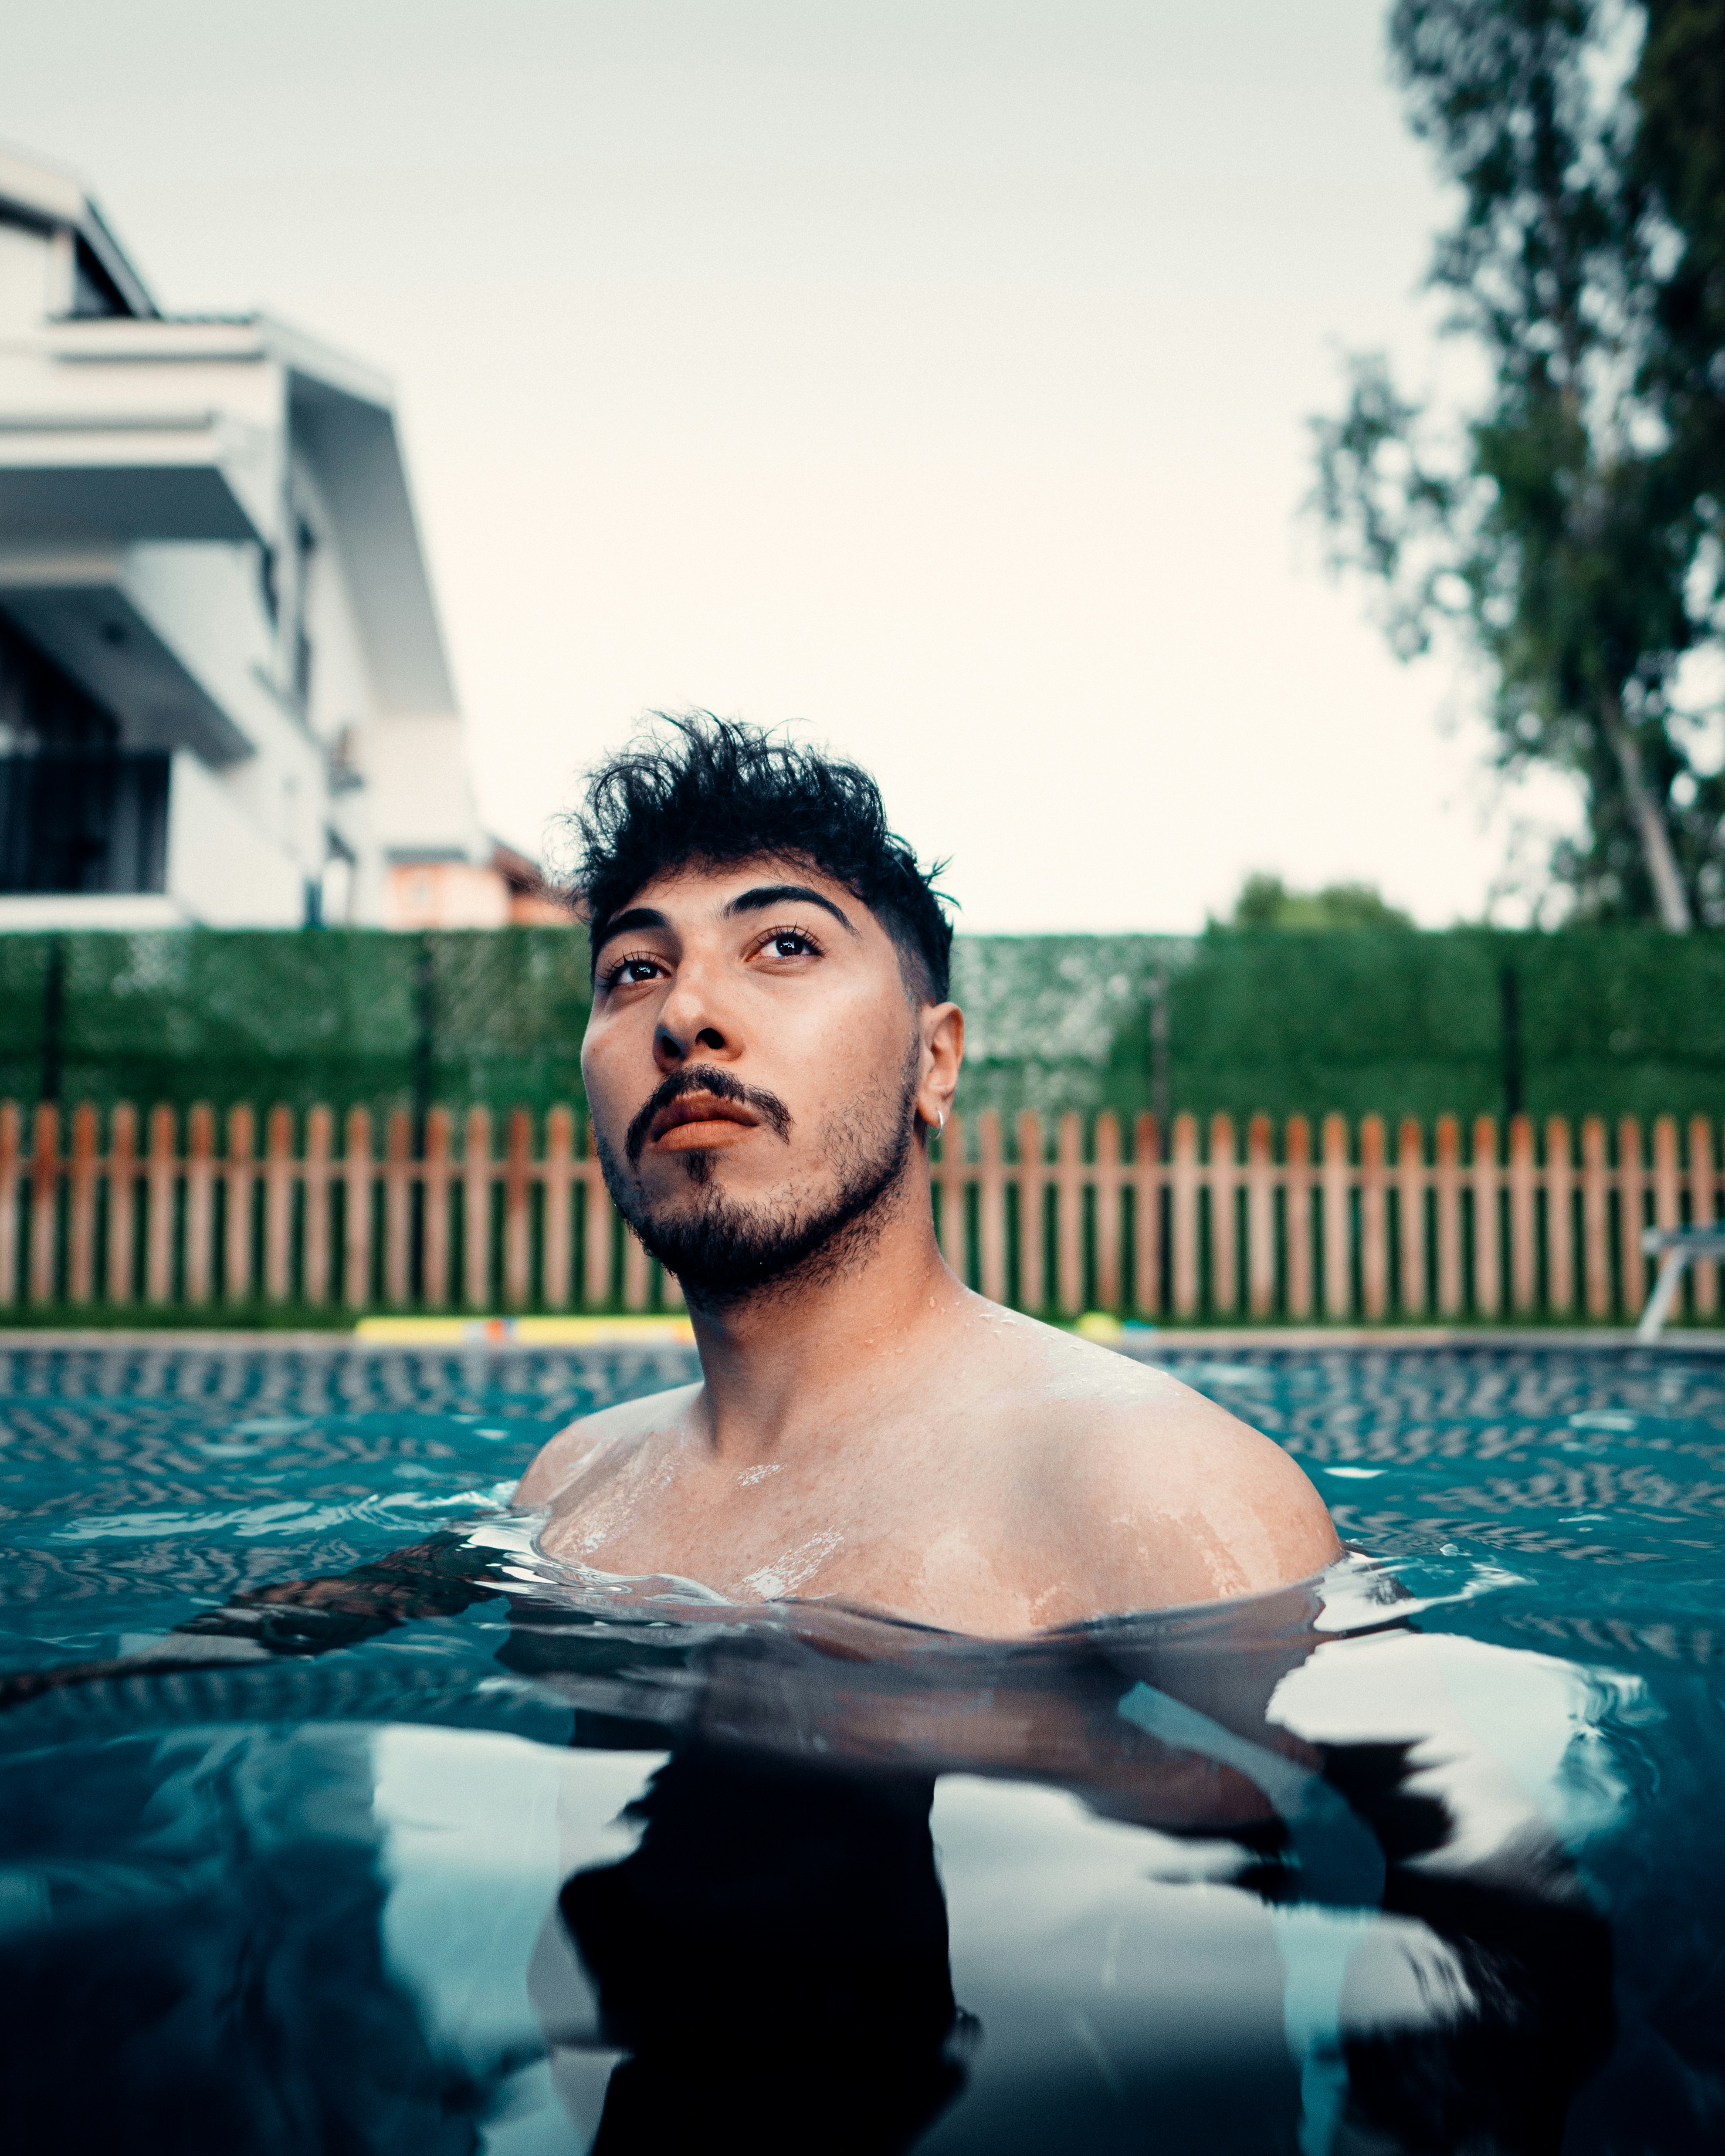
<point>870,1430</point>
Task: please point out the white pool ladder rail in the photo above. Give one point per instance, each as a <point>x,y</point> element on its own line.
<point>1674,1248</point>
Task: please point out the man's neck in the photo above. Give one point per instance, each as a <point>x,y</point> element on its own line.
<point>792,1363</point>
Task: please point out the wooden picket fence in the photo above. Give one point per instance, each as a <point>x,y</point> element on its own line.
<point>1352,1228</point>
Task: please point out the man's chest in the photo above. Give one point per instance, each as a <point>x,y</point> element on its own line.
<point>893,1540</point>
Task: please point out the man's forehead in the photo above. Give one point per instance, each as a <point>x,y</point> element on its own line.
<point>719,880</point>
<point>704,887</point>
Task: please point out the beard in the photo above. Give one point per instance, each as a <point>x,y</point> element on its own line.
<point>723,1253</point>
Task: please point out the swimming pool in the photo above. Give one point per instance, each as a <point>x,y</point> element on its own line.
<point>472,1858</point>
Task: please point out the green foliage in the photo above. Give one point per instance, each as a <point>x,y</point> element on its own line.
<point>1570,530</point>
<point>1610,1021</point>
<point>1265,901</point>
<point>346,1016</point>
<point>1468,1021</point>
<point>1679,90</point>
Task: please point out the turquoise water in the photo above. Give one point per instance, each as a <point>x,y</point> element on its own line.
<point>470,1856</point>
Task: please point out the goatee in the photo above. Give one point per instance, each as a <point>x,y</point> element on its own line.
<point>722,1253</point>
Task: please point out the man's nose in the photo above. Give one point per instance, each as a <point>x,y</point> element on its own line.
<point>691,1027</point>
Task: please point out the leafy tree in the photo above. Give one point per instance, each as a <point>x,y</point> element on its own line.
<point>1569,529</point>
<point>1265,901</point>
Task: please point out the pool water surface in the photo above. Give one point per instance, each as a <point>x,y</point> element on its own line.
<point>464,1854</point>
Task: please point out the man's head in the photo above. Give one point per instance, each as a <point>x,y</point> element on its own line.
<point>769,1032</point>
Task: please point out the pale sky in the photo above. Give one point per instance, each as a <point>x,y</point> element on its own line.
<point>930,373</point>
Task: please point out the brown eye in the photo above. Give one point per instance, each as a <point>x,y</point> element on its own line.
<point>789,944</point>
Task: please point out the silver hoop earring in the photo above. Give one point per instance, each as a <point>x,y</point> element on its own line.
<point>942,1124</point>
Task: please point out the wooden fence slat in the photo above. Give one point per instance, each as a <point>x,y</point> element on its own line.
<point>1338,1296</point>
<point>1296,1175</point>
<point>476,1181</point>
<point>1595,1217</point>
<point>1446,1181</point>
<point>1032,1175</point>
<point>1523,1222</point>
<point>1260,1217</point>
<point>237,1179</point>
<point>315,1266</point>
<point>1069,1222</point>
<point>44,1203</point>
<point>437,1175</point>
<point>9,1186</point>
<point>948,1177</point>
<point>399,1178</point>
<point>122,1200</point>
<point>1631,1214</point>
<point>1147,1214</point>
<point>1410,1179</point>
<point>1505,1233</point>
<point>1667,1183</point>
<point>598,1215</point>
<point>557,1256</point>
<point>637,1274</point>
<point>356,1211</point>
<point>1488,1266</point>
<point>278,1204</point>
<point>161,1177</point>
<point>1225,1225</point>
<point>991,1207</point>
<point>200,1202</point>
<point>1373,1220</point>
<point>518,1211</point>
<point>1107,1211</point>
<point>81,1207</point>
<point>1559,1218</point>
<point>1703,1209</point>
<point>1184,1183</point>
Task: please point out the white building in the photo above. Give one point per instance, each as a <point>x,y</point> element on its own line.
<point>223,691</point>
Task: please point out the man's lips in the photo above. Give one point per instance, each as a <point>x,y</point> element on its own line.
<point>699,1119</point>
<point>703,1107</point>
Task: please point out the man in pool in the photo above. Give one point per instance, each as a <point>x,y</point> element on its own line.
<point>771,1045</point>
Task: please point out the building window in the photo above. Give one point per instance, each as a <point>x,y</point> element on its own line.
<point>305,547</point>
<point>83,823</point>
<point>95,294</point>
<point>77,813</point>
<point>42,708</point>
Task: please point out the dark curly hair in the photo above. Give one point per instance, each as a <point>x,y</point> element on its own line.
<point>718,790</point>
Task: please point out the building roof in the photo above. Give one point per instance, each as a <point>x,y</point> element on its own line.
<point>48,196</point>
<point>111,451</point>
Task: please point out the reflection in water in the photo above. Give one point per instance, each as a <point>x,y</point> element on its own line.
<point>191,1963</point>
<point>773,1952</point>
<point>1267,1878</point>
<point>1247,1874</point>
<point>1296,1941</point>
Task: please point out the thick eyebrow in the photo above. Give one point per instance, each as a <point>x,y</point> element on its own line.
<point>775,894</point>
<point>621,924</point>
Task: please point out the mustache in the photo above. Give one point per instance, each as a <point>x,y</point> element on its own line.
<point>705,1078</point>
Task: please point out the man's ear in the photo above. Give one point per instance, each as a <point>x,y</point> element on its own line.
<point>942,1030</point>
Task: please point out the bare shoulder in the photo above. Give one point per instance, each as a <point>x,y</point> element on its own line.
<point>1157,1496</point>
<point>611,1430</point>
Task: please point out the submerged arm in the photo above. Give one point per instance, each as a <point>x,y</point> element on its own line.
<point>437,1578</point>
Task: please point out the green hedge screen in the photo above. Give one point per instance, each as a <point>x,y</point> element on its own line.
<point>1473,1021</point>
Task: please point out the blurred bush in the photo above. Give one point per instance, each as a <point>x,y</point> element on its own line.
<point>1470,1020</point>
